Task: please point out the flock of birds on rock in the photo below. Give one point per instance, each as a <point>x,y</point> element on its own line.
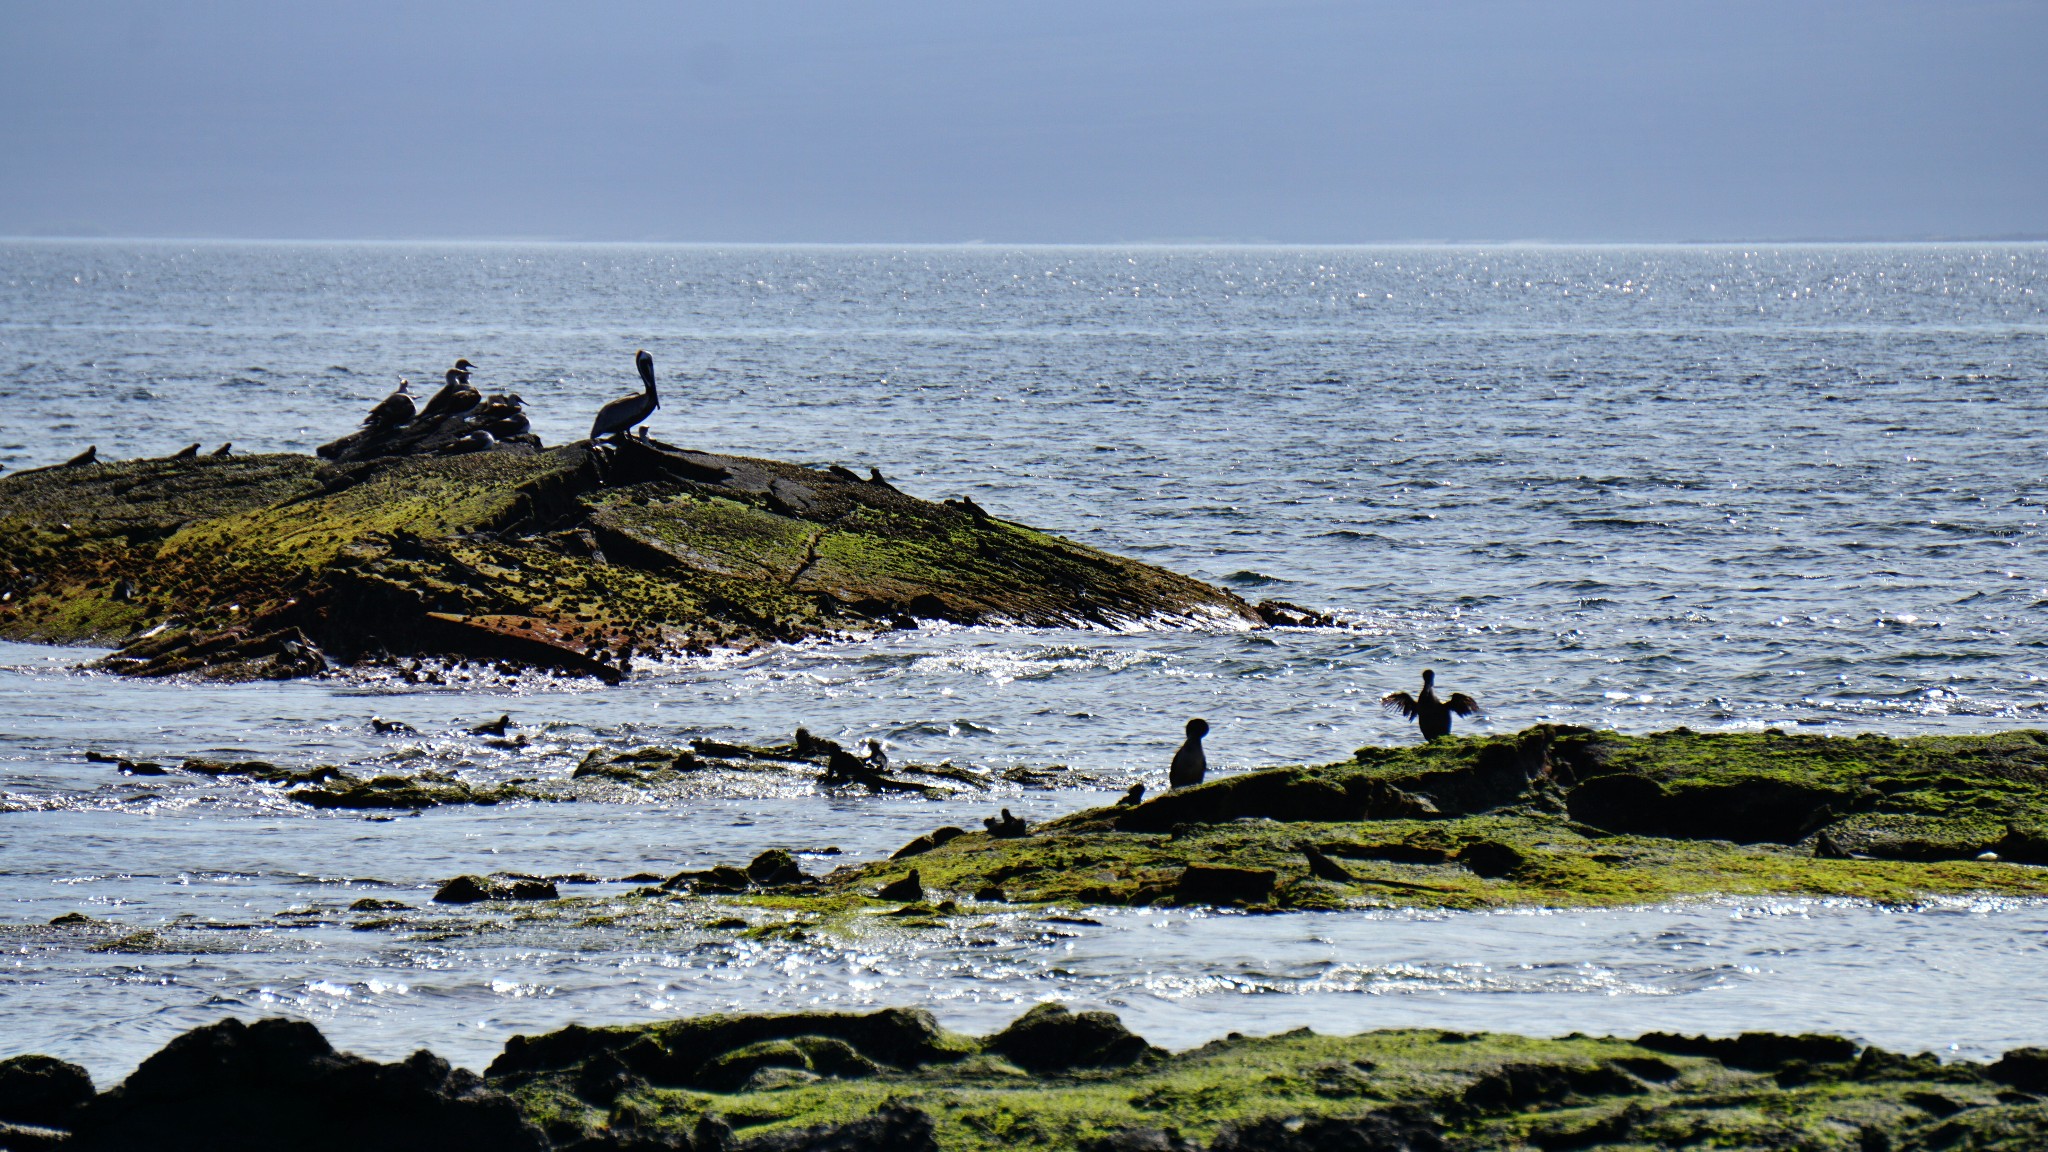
<point>460,419</point>
<point>457,395</point>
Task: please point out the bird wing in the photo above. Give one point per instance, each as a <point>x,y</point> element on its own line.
<point>1400,702</point>
<point>1462,704</point>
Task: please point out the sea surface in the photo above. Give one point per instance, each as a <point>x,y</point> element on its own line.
<point>1722,487</point>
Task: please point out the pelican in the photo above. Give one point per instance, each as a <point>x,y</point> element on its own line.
<point>619,416</point>
<point>396,408</point>
<point>1189,764</point>
<point>456,395</point>
<point>1430,714</point>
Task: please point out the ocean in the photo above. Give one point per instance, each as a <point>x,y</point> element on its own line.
<point>1635,488</point>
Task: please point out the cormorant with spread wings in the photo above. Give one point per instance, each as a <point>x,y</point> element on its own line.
<point>1430,714</point>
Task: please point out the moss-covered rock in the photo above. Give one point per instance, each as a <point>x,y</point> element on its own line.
<point>277,566</point>
<point>1480,822</point>
<point>893,1081</point>
<point>1060,1080</point>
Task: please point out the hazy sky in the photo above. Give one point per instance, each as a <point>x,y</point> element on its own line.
<point>1047,120</point>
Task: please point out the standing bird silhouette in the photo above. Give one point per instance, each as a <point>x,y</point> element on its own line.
<point>1430,714</point>
<point>456,395</point>
<point>396,408</point>
<point>1189,764</point>
<point>619,416</point>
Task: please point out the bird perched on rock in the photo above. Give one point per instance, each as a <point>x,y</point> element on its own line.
<point>225,449</point>
<point>878,760</point>
<point>91,453</point>
<point>455,395</point>
<point>477,441</point>
<point>396,408</point>
<point>186,453</point>
<point>1430,714</point>
<point>1005,827</point>
<point>494,728</point>
<point>620,415</point>
<point>1133,798</point>
<point>1189,764</point>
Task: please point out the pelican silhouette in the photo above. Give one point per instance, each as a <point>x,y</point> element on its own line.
<point>619,416</point>
<point>456,395</point>
<point>1430,714</point>
<point>396,408</point>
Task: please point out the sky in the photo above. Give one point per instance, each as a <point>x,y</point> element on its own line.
<point>1048,121</point>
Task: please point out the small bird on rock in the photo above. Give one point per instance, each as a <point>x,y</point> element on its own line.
<point>494,728</point>
<point>186,453</point>
<point>396,408</point>
<point>1132,798</point>
<point>1005,827</point>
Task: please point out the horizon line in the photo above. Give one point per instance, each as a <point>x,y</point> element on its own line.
<point>1194,244</point>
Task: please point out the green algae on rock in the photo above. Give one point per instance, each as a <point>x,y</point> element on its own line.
<point>1551,816</point>
<point>1088,1083</point>
<point>894,1081</point>
<point>273,566</point>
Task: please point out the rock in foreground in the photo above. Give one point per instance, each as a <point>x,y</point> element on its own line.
<point>568,558</point>
<point>893,1081</point>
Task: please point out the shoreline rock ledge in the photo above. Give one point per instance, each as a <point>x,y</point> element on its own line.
<point>573,559</point>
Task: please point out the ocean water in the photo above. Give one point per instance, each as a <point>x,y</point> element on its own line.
<point>1632,487</point>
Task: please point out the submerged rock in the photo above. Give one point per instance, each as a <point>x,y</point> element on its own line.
<point>278,566</point>
<point>477,889</point>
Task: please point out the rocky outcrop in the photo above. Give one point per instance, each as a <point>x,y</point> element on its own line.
<point>573,558</point>
<point>701,1053</point>
<point>41,1092</point>
<point>1050,1038</point>
<point>276,1084</point>
<point>1553,815</point>
<point>891,1081</point>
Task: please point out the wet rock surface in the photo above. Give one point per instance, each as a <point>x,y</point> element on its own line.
<point>477,889</point>
<point>893,1080</point>
<point>1501,821</point>
<point>570,558</point>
